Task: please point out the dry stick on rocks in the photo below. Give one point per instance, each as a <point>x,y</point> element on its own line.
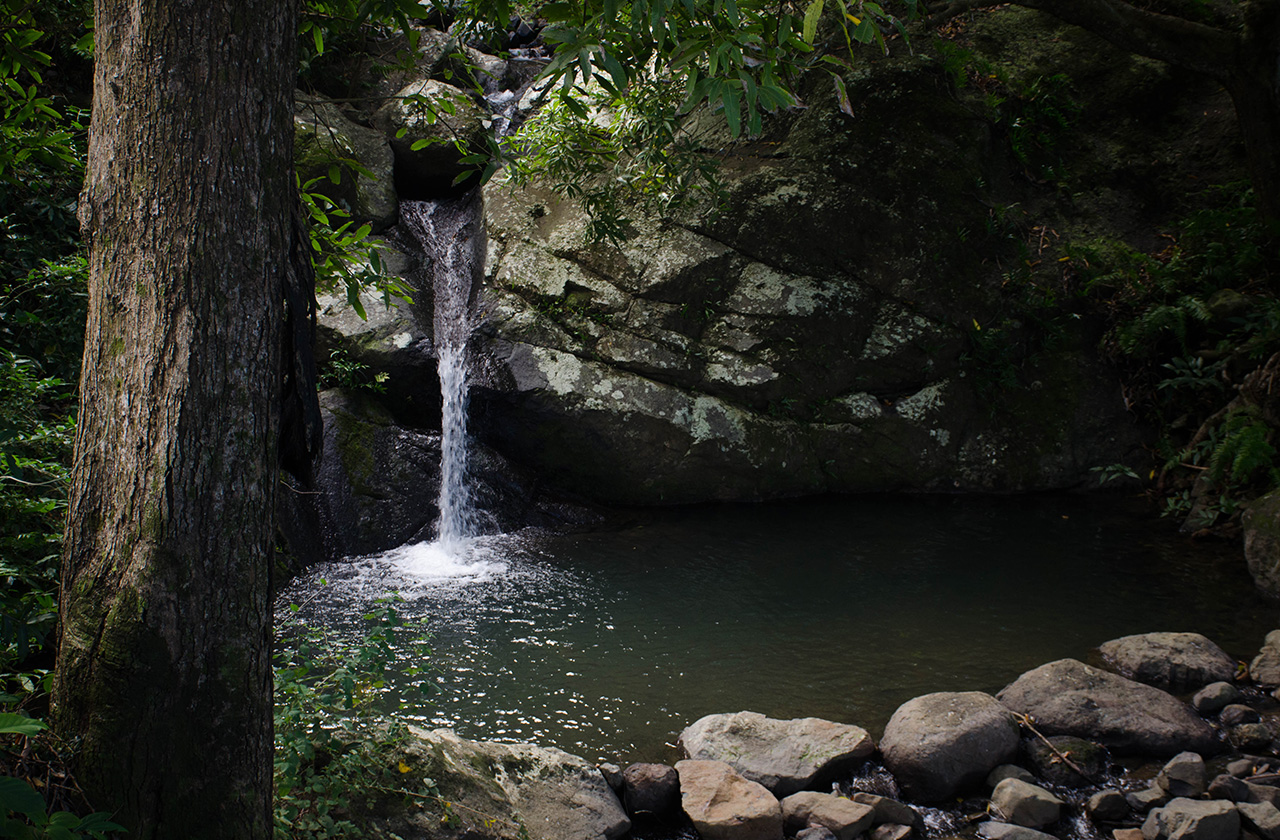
<point>1025,720</point>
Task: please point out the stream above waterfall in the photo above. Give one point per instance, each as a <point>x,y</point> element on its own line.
<point>608,643</point>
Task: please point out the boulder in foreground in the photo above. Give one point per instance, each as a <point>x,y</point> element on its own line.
<point>783,755</point>
<point>939,744</point>
<point>1067,697</point>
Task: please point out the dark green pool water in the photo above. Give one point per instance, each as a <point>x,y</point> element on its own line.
<point>607,644</point>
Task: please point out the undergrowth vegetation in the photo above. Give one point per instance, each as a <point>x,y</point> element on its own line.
<point>1196,326</point>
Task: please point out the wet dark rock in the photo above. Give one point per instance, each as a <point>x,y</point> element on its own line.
<point>1183,776</point>
<point>1214,697</point>
<point>844,817</point>
<point>1172,661</point>
<point>944,743</point>
<point>1144,800</point>
<point>1108,806</point>
<point>1250,737</point>
<point>651,789</point>
<point>1070,698</point>
<point>1238,713</point>
<point>783,755</point>
<point>1007,831</point>
<point>1265,667</point>
<point>1009,771</point>
<point>1025,804</point>
<point>1262,818</point>
<point>1229,788</point>
<point>1044,759</point>
<point>890,810</point>
<point>724,805</point>
<point>1189,819</point>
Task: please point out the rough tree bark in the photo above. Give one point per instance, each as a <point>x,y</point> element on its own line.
<point>163,683</point>
<point>1241,51</point>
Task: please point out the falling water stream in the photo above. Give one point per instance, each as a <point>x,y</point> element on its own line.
<point>451,233</point>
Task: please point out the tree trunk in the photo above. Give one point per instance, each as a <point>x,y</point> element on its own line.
<point>163,683</point>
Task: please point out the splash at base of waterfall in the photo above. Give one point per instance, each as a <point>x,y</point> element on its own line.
<point>462,559</point>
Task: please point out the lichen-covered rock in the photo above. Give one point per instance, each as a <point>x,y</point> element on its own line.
<point>1261,522</point>
<point>783,755</point>
<point>1025,804</point>
<point>1067,697</point>
<point>1265,667</point>
<point>941,744</point>
<point>845,818</point>
<point>504,792</point>
<point>723,805</point>
<point>801,341</point>
<point>1172,661</point>
<point>1189,819</point>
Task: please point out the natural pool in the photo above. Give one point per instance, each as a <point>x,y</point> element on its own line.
<point>608,643</point>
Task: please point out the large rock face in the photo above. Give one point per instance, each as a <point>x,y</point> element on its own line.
<point>834,329</point>
<point>783,755</point>
<point>940,744</point>
<point>1070,698</point>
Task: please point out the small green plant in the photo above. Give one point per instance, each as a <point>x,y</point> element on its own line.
<point>24,814</point>
<point>342,371</point>
<point>338,752</point>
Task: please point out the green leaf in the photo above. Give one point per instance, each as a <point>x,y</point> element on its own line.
<point>19,797</point>
<point>317,37</point>
<point>866,31</point>
<point>15,724</point>
<point>811,16</point>
<point>732,110</point>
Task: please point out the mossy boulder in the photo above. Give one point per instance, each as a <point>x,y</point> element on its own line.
<point>327,144</point>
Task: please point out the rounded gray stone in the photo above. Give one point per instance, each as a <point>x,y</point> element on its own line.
<point>940,744</point>
<point>1172,661</point>
<point>783,755</point>
<point>1067,697</point>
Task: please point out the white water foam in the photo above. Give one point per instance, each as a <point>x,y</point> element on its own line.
<point>460,560</point>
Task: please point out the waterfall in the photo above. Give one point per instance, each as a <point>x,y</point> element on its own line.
<point>451,233</point>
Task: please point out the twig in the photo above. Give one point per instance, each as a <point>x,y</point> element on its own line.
<point>1025,720</point>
